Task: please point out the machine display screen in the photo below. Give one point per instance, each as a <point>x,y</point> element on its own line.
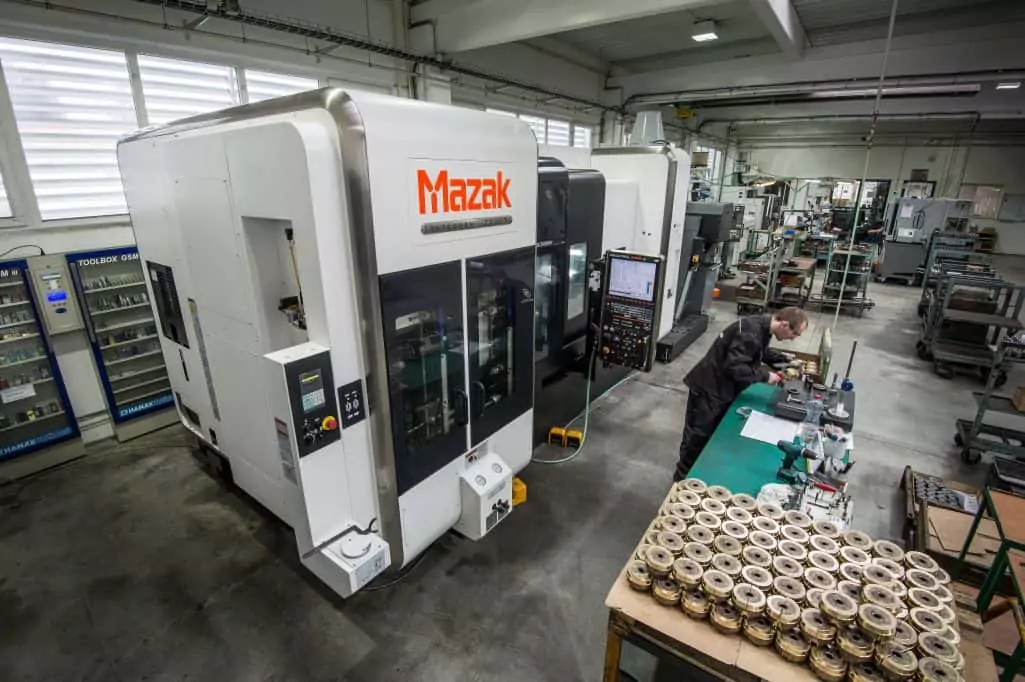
<point>311,388</point>
<point>632,279</point>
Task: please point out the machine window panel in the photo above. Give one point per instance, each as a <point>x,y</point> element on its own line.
<point>576,294</point>
<point>544,290</point>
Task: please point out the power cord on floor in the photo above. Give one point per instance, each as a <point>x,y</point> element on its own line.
<point>403,574</point>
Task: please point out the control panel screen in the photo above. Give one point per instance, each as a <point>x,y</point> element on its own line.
<point>311,388</point>
<point>634,279</point>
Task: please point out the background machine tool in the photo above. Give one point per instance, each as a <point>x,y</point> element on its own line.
<point>353,331</point>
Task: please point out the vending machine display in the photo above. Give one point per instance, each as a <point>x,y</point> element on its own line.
<point>34,407</point>
<point>119,320</point>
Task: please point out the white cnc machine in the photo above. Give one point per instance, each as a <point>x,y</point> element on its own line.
<point>344,289</point>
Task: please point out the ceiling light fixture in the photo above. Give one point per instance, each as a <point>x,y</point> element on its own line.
<point>1011,85</point>
<point>703,31</point>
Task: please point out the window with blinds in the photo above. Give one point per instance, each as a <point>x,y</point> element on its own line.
<point>558,133</point>
<point>582,137</point>
<point>174,89</point>
<point>71,105</point>
<point>536,124</point>
<point>261,85</point>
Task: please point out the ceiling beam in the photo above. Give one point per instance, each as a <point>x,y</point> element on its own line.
<point>484,23</point>
<point>780,17</point>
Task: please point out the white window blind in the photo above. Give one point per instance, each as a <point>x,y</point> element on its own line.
<point>175,89</point>
<point>500,112</point>
<point>582,136</point>
<point>263,85</point>
<point>71,104</point>
<point>537,125</point>
<point>558,133</point>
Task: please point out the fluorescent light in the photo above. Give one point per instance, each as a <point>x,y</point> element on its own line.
<point>703,31</point>
<point>1010,85</point>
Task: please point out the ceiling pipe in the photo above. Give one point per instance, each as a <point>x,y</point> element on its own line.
<point>852,118</point>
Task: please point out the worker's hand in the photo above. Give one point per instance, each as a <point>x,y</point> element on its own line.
<point>775,378</point>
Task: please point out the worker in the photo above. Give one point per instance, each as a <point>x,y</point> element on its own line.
<point>733,363</point>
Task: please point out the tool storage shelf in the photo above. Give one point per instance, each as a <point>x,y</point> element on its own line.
<point>761,273</point>
<point>850,292</point>
<point>974,436</point>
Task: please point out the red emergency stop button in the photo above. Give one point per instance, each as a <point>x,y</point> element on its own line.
<point>329,423</point>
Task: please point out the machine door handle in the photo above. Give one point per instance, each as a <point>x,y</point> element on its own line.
<point>462,411</point>
<point>478,386</point>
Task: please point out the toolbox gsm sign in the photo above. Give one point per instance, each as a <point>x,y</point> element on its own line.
<point>103,260</point>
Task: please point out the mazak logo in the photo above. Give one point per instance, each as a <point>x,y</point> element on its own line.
<point>443,194</point>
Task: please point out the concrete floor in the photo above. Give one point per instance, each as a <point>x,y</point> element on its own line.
<point>134,564</point>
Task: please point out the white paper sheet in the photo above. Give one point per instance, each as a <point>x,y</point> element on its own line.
<point>907,210</point>
<point>769,429</point>
<point>10,395</point>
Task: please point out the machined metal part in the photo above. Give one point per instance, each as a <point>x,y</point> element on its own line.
<point>951,635</point>
<point>896,662</point>
<point>790,588</point>
<point>756,556</point>
<point>730,565</point>
<point>854,645</point>
<point>700,534</point>
<point>745,502</point>
<point>718,493</point>
<point>813,596</point>
<point>757,576</point>
<point>959,666</point>
<point>707,520</point>
<point>792,646</point>
<point>900,590</point>
<point>943,594</point>
<point>695,485</point>
<point>827,663</point>
<point>897,569</point>
<point>916,577</point>
<point>826,562</point>
<point>797,518</point>
<point>639,552</point>
<point>880,595</point>
<point>666,591</point>
<point>827,528</point>
<point>888,550</point>
<point>905,636</point>
<point>739,515</point>
<point>717,585</point>
<point>857,538</point>
<point>865,672</point>
<point>698,552</point>
<point>726,618</point>
<point>921,561</point>
<point>838,608</point>
<point>933,670</point>
<point>815,628</point>
<point>874,574</point>
<point>765,525</point>
<point>794,534</point>
<point>771,511</point>
<point>850,588</point>
<point>853,555</point>
<point>876,621</point>
<point>651,536</point>
<point>689,498</point>
<point>687,572</point>
<point>758,630</point>
<point>946,614</point>
<point>850,572</point>
<point>671,541</point>
<point>820,543</point>
<point>942,576</point>
<point>659,561</point>
<point>794,550</point>
<point>672,524</point>
<point>924,620</point>
<point>735,529</point>
<point>713,506</point>
<point>785,566</point>
<point>762,540</point>
<point>936,646</point>
<point>815,577</point>
<point>919,598</point>
<point>684,512</point>
<point>695,603</point>
<point>749,599</point>
<point>784,612</point>
<point>724,544</point>
<point>638,576</point>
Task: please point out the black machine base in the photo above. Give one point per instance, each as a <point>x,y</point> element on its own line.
<point>684,333</point>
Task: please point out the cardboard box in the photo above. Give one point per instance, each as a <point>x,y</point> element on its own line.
<point>1019,398</point>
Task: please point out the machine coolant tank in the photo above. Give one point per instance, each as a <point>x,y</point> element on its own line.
<point>485,492</point>
<point>350,562</point>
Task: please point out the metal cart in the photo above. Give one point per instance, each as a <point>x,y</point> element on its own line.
<point>974,436</point>
<point>851,294</point>
<point>761,273</point>
<point>950,254</point>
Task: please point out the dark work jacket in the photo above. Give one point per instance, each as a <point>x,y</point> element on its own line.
<point>735,359</point>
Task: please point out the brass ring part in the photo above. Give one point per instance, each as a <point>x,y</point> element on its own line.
<point>820,543</point>
<point>921,561</point>
<point>816,578</point>
<point>919,598</point>
<point>717,585</point>
<point>815,628</point>
<point>758,630</point>
<point>951,635</point>
<point>925,620</point>
<point>876,621</point>
<point>749,599</point>
<point>718,493</point>
<point>713,506</point>
<point>916,577</point>
<point>700,534</point>
<point>724,544</point>
<point>695,485</point>
<point>665,591</point>
<point>765,525</point>
<point>946,614</point>
<point>826,528</point>
<point>687,572</point>
<point>739,515</point>
<point>823,561</point>
<point>725,618</point>
<point>935,646</point>
<point>790,588</point>
<point>828,664</point>
<point>905,636</point>
<point>659,561</point>
<point>638,576</point>
<point>794,517</point>
<point>785,566</point>
<point>782,611</point>
<point>729,565</point>
<point>707,520</point>
<point>762,540</point>
<point>943,594</point>
<point>794,534</point>
<point>771,511</point>
<point>745,502</point>
<point>639,552</point>
<point>813,597</point>
<point>757,576</point>
<point>864,672</point>
<point>695,603</point>
<point>850,572</point>
<point>900,590</point>
<point>874,574</point>
<point>792,646</point>
<point>756,556</point>
<point>689,498</point>
<point>672,524</point>
<point>684,512</point>
<point>838,608</point>
<point>794,550</point>
<point>734,529</point>
<point>892,566</point>
<point>698,552</point>
<point>651,536</point>
<point>850,588</point>
<point>888,550</point>
<point>880,595</point>
<point>854,645</point>
<point>852,555</point>
<point>858,539</point>
<point>942,576</point>
<point>895,661</point>
<point>932,670</point>
<point>671,541</point>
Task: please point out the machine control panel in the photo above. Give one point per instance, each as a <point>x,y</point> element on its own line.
<point>631,306</point>
<point>311,396</point>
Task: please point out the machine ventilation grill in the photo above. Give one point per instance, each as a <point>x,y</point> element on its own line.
<point>165,295</point>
